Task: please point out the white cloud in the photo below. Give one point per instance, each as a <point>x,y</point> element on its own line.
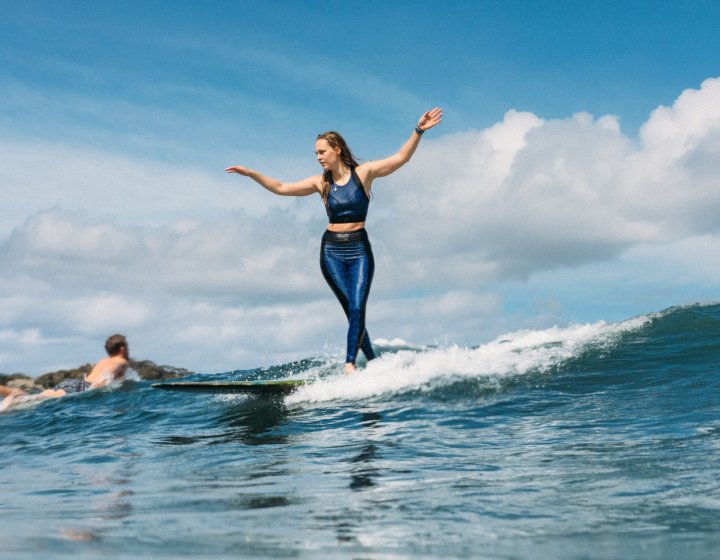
<point>41,175</point>
<point>527,195</point>
<point>213,259</point>
<point>25,337</point>
<point>459,316</point>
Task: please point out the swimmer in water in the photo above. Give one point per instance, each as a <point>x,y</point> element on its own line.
<point>346,257</point>
<point>104,372</point>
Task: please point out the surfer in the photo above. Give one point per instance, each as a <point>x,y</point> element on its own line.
<point>106,371</point>
<point>346,257</point>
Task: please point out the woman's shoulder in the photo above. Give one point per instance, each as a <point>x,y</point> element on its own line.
<point>317,179</point>
<point>364,169</point>
<point>364,173</point>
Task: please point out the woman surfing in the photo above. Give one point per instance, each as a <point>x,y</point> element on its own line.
<point>346,257</point>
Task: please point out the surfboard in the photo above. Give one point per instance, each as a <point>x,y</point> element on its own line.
<point>276,387</point>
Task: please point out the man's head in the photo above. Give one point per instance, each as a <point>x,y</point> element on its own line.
<point>116,344</point>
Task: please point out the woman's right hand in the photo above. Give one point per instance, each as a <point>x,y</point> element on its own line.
<point>305,187</point>
<point>239,169</point>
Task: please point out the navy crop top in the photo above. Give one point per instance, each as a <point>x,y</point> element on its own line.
<point>347,203</point>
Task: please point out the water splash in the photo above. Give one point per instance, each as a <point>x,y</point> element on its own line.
<point>517,353</point>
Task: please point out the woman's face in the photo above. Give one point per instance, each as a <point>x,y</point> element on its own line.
<point>327,156</point>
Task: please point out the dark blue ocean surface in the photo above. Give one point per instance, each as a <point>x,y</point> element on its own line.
<point>589,441</point>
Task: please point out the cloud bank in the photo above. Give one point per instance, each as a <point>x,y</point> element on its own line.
<point>526,195</point>
<point>204,271</point>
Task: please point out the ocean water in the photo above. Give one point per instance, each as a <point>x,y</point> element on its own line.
<point>588,441</point>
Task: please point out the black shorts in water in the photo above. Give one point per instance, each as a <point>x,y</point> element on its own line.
<point>73,386</point>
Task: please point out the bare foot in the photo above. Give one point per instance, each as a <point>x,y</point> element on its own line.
<point>349,368</point>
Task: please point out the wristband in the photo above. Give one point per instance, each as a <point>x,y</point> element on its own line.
<point>419,130</point>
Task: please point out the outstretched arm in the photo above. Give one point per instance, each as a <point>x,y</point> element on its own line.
<point>386,166</point>
<point>300,188</point>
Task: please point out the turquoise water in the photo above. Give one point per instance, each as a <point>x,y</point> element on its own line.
<point>590,441</point>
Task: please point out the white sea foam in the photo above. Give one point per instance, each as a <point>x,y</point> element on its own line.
<point>515,353</point>
<point>397,344</point>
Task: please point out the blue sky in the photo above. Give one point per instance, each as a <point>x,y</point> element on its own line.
<point>533,204</point>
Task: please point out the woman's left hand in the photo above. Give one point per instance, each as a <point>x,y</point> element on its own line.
<point>431,118</point>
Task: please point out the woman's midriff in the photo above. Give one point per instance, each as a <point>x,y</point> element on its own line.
<point>345,228</point>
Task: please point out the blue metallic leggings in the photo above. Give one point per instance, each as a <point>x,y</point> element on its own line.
<point>347,263</point>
